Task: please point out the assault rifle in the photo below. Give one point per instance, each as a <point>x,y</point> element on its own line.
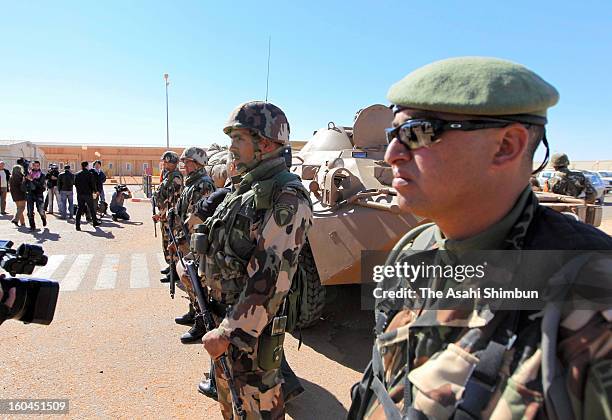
<point>209,323</point>
<point>154,206</point>
<point>172,273</point>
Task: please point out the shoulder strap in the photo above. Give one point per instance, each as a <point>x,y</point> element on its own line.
<point>407,239</point>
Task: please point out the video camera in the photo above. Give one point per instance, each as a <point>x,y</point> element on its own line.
<point>25,164</point>
<point>35,298</point>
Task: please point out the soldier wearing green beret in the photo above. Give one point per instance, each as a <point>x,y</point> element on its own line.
<point>568,182</point>
<point>461,149</point>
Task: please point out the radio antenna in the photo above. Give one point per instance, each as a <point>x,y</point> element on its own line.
<point>268,75</point>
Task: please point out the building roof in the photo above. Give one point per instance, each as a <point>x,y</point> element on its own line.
<point>148,146</point>
<point>11,142</point>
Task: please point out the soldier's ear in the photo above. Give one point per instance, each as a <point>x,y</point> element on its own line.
<point>266,145</point>
<point>512,145</point>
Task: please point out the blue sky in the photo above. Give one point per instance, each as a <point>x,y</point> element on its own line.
<point>91,72</point>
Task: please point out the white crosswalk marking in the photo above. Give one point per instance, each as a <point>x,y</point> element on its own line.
<point>107,277</point>
<point>46,272</point>
<point>76,273</point>
<point>71,271</point>
<point>139,273</point>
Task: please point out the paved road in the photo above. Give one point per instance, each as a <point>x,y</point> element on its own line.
<point>113,348</point>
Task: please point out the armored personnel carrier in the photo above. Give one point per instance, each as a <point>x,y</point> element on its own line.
<point>573,207</point>
<point>355,208</point>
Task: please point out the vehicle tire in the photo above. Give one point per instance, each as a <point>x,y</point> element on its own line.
<point>313,294</point>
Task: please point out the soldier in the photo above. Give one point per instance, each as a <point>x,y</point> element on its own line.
<point>197,185</point>
<point>255,234</point>
<point>166,196</point>
<point>568,182</point>
<point>461,150</point>
<point>205,208</point>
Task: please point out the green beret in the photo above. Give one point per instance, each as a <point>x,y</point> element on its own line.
<point>476,86</point>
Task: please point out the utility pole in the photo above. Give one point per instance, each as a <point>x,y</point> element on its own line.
<point>167,126</point>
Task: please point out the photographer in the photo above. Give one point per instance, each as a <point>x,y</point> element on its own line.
<point>52,192</point>
<point>86,187</point>
<point>34,186</point>
<point>116,205</point>
<point>5,307</point>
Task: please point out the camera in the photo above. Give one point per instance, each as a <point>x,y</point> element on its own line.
<point>25,164</point>
<point>35,298</point>
<point>121,188</point>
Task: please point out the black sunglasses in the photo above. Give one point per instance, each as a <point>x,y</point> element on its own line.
<point>424,132</point>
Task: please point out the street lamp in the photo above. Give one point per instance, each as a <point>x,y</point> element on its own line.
<point>167,127</point>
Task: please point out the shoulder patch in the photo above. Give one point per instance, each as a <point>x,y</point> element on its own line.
<point>285,208</point>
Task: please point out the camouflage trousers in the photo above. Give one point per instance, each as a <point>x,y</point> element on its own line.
<point>165,240</point>
<point>259,390</point>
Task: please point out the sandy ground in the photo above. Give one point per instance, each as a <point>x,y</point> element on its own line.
<point>116,353</point>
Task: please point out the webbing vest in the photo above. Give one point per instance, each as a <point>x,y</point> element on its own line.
<point>191,184</point>
<point>165,190</point>
<point>230,229</point>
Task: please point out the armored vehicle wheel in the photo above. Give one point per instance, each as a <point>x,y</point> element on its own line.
<point>313,294</point>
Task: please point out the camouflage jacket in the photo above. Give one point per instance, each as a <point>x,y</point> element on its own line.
<point>256,234</point>
<point>571,183</point>
<point>428,357</point>
<point>197,185</point>
<point>169,190</point>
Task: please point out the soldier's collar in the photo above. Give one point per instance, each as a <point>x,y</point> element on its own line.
<point>266,169</point>
<point>197,174</point>
<point>493,237</point>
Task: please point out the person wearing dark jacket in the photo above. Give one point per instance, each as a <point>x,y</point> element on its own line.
<point>52,193</point>
<point>5,177</point>
<point>100,178</point>
<point>18,195</point>
<point>34,186</point>
<point>65,185</point>
<point>85,184</point>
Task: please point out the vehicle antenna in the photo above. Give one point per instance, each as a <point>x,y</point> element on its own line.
<point>268,75</point>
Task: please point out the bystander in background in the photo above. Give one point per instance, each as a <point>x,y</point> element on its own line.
<point>65,185</point>
<point>5,177</point>
<point>18,195</point>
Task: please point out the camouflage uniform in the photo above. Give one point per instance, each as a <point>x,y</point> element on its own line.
<point>166,196</point>
<point>568,182</point>
<point>256,235</point>
<point>197,186</point>
<point>439,339</point>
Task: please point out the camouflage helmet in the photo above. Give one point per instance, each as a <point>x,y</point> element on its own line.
<point>560,160</point>
<point>266,119</point>
<point>196,154</point>
<point>170,157</point>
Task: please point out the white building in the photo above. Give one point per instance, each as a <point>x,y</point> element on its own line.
<point>11,150</point>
